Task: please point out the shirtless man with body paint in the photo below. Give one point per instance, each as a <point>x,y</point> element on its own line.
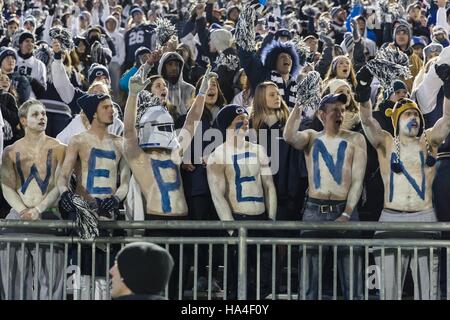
<point>407,166</point>
<point>336,162</point>
<point>30,168</point>
<point>98,160</point>
<point>154,154</point>
<point>242,189</point>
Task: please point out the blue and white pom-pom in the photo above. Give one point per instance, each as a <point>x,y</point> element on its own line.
<point>245,29</point>
<point>164,31</point>
<point>302,49</point>
<point>388,65</point>
<point>86,220</point>
<point>229,61</point>
<point>145,100</point>
<point>63,35</point>
<point>308,93</point>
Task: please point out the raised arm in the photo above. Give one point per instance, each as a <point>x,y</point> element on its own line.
<point>441,128</point>
<point>270,193</point>
<point>194,114</point>
<point>372,128</point>
<point>358,171</point>
<point>9,182</point>
<point>62,83</point>
<point>291,134</point>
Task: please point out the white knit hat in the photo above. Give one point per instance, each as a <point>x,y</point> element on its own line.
<point>221,39</point>
<point>337,83</point>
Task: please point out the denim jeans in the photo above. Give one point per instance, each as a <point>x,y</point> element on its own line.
<point>311,270</point>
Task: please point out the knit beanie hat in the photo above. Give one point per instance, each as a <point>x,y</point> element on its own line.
<point>430,49</point>
<point>89,103</point>
<point>399,107</point>
<point>140,51</point>
<point>145,267</point>
<point>221,39</point>
<point>7,52</point>
<point>334,11</point>
<point>403,26</point>
<point>31,19</point>
<point>226,116</point>
<point>25,35</point>
<point>335,84</point>
<point>97,70</point>
<point>396,86</point>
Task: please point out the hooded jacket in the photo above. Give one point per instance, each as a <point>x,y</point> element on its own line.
<point>180,93</point>
<point>118,41</point>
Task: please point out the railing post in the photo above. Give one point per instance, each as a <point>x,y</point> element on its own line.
<point>242,273</point>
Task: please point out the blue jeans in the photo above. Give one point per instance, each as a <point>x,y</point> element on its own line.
<point>314,213</point>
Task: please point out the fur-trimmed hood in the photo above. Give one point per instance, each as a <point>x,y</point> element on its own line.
<point>270,54</point>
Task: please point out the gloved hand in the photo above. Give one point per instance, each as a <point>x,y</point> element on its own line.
<point>107,205</point>
<point>65,203</point>
<point>271,23</point>
<point>355,31</point>
<point>52,10</point>
<point>205,82</point>
<point>327,41</point>
<point>363,89</point>
<point>443,72</point>
<point>139,81</point>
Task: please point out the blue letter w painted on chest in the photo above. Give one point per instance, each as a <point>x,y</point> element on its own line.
<point>334,168</point>
<point>34,173</point>
<point>165,187</point>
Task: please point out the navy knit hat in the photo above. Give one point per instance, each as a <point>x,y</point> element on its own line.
<point>7,52</point>
<point>97,70</point>
<point>396,86</point>
<point>140,51</point>
<point>226,116</point>
<point>89,103</point>
<point>145,267</point>
<point>283,33</point>
<point>25,35</point>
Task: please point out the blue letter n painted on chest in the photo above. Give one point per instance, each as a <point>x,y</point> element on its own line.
<point>93,173</point>
<point>34,173</point>
<point>420,190</point>
<point>334,168</point>
<point>240,180</point>
<point>165,187</point>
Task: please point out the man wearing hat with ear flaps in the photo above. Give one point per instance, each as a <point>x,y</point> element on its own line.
<point>407,166</point>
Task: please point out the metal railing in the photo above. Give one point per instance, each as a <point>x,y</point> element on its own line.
<point>35,247</point>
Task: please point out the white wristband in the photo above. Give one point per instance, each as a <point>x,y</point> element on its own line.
<point>345,214</point>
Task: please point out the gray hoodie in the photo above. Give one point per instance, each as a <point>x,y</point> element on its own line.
<point>181,93</point>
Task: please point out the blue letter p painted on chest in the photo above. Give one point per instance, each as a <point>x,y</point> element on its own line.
<point>240,180</point>
<point>93,173</point>
<point>165,187</point>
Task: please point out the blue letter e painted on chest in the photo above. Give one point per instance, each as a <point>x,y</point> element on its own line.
<point>165,187</point>
<point>93,173</point>
<point>240,180</point>
<point>335,169</point>
<point>43,184</point>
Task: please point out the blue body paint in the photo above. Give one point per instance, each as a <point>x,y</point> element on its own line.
<point>165,187</point>
<point>411,124</point>
<point>420,191</point>
<point>240,180</point>
<point>93,173</point>
<point>34,173</point>
<point>335,169</point>
<point>239,126</point>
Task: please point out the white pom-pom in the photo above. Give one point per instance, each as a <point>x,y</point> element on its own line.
<point>164,31</point>
<point>308,93</point>
<point>245,29</point>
